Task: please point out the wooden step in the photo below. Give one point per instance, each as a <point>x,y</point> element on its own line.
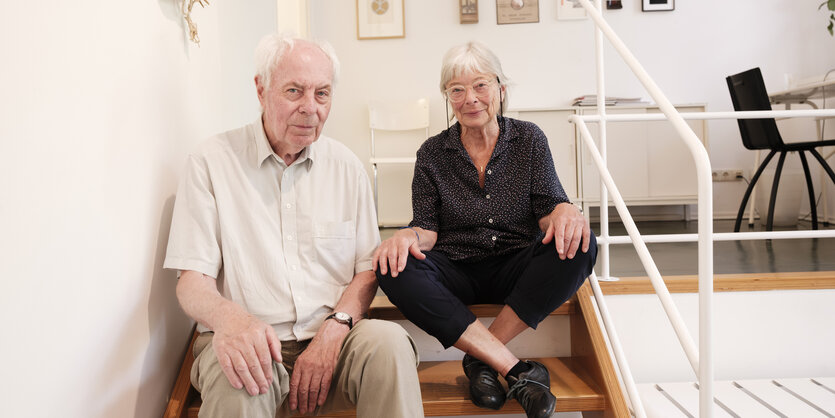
<point>743,282</point>
<point>382,308</point>
<point>445,390</point>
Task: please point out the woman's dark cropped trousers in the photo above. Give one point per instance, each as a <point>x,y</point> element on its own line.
<point>434,293</point>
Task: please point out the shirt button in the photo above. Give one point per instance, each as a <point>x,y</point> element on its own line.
<point>488,196</point>
<point>494,237</point>
<point>289,237</point>
<point>288,206</point>
<point>490,220</point>
<point>295,267</point>
<point>489,171</point>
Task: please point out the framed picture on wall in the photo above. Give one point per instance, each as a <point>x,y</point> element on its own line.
<point>517,11</point>
<point>380,19</point>
<point>468,11</point>
<point>658,5</point>
<point>570,10</point>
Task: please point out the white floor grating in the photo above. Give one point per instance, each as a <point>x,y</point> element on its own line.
<point>800,397</point>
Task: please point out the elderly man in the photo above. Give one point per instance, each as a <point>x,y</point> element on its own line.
<point>273,232</point>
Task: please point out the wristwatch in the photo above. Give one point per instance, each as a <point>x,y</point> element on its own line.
<point>342,318</point>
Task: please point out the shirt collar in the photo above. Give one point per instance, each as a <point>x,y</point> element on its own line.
<point>453,140</point>
<point>264,150</point>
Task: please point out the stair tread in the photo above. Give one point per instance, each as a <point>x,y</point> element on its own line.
<point>445,390</point>
<point>382,308</point>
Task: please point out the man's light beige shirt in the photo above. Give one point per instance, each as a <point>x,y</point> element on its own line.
<point>284,242</point>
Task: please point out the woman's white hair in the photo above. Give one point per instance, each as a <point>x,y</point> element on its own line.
<point>274,46</point>
<point>472,57</point>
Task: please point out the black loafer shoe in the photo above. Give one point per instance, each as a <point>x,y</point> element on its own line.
<point>533,391</point>
<point>485,389</point>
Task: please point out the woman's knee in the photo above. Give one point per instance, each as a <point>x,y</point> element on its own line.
<point>412,280</point>
<point>585,259</point>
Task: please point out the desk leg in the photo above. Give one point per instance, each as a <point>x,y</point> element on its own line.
<point>824,186</point>
<point>753,200</point>
<point>819,126</point>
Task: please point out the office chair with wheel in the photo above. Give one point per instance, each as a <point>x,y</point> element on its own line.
<point>748,93</point>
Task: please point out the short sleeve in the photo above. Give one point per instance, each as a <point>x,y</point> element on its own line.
<point>368,233</point>
<point>546,190</point>
<point>194,240</point>
<point>426,203</point>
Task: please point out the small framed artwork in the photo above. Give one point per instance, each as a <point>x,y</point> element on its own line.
<point>570,10</point>
<point>658,5</point>
<point>380,19</point>
<point>468,11</point>
<point>517,11</point>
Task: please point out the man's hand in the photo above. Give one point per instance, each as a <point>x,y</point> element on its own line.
<point>246,348</point>
<point>566,225</point>
<point>393,252</point>
<point>313,371</point>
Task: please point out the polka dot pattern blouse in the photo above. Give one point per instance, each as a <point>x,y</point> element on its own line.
<point>474,223</point>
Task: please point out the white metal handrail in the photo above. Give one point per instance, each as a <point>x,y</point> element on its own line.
<point>702,360</point>
<point>639,241</point>
<point>679,327</point>
<point>750,114</point>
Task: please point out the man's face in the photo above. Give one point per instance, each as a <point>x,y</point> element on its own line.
<point>299,98</point>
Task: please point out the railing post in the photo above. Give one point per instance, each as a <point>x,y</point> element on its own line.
<point>601,111</point>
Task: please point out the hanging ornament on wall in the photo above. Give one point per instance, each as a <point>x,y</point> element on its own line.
<point>192,27</point>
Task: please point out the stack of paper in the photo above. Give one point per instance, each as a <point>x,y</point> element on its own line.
<point>591,100</point>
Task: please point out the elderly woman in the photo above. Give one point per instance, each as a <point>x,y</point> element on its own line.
<point>487,205</point>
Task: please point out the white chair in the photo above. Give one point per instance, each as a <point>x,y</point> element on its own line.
<point>398,118</point>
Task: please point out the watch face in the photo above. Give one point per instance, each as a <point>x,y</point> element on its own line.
<point>342,316</point>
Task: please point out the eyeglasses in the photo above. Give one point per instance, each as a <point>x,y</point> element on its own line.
<point>458,92</point>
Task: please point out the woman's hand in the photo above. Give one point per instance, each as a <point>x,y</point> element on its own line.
<point>566,225</point>
<point>393,252</point>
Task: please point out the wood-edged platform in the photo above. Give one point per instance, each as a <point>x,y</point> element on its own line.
<point>583,382</point>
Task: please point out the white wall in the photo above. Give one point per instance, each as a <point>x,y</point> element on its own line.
<point>99,103</point>
<point>688,52</point>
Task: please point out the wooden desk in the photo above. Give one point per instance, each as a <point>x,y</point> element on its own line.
<point>805,92</point>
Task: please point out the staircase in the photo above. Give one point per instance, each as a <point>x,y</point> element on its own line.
<point>584,382</point>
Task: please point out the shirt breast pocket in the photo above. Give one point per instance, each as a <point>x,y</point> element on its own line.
<point>335,249</point>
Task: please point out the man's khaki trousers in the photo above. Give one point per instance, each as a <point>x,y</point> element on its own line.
<point>376,373</point>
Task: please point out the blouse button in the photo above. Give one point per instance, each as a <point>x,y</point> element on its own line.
<point>489,171</point>
<point>488,196</point>
<point>490,220</point>
<point>494,237</point>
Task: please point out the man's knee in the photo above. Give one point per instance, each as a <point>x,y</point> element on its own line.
<point>221,399</point>
<point>237,403</point>
<point>383,342</point>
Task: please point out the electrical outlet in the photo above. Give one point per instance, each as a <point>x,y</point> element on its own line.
<point>733,174</point>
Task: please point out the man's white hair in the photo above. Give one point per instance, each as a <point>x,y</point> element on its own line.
<point>272,48</point>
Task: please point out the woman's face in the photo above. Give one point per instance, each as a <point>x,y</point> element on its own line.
<point>475,99</point>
